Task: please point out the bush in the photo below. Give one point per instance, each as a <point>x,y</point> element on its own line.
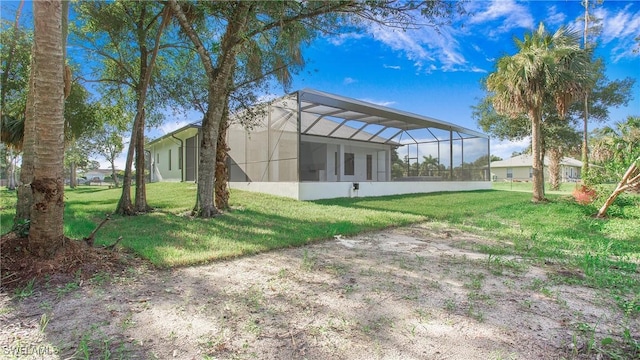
<point>584,195</point>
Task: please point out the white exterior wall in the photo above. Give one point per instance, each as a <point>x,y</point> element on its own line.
<point>521,173</point>
<point>160,150</point>
<point>286,189</point>
<point>327,190</point>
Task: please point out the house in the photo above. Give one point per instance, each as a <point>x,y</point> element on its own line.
<point>97,175</point>
<point>312,145</point>
<point>518,168</point>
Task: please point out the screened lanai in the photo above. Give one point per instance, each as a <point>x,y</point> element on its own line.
<point>335,146</point>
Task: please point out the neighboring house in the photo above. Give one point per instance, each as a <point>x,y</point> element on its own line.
<point>518,168</point>
<point>314,145</point>
<point>97,175</point>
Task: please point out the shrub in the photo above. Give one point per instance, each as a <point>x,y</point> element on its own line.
<point>584,195</point>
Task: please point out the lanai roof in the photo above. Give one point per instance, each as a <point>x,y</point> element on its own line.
<point>381,121</point>
<point>331,115</point>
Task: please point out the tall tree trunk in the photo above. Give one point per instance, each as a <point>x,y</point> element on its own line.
<point>222,171</point>
<point>125,206</point>
<point>555,156</point>
<point>11,185</point>
<point>24,193</point>
<point>220,81</point>
<point>538,165</point>
<point>46,232</point>
<point>72,175</point>
<point>141,190</point>
<point>114,174</point>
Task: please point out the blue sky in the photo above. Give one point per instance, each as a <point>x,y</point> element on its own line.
<point>438,73</point>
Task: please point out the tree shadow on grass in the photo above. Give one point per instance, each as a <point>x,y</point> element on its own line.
<point>169,240</point>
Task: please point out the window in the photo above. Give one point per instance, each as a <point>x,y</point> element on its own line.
<point>369,167</point>
<point>157,158</point>
<point>336,166</point>
<point>169,159</point>
<point>349,163</point>
<point>530,172</point>
<point>180,158</point>
<point>509,173</point>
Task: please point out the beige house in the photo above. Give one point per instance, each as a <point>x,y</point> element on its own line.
<point>518,168</point>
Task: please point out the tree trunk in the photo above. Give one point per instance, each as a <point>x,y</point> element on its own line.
<point>24,194</point>
<point>630,180</point>
<point>46,232</point>
<point>204,202</point>
<point>114,174</point>
<point>125,207</point>
<point>141,190</point>
<point>222,171</point>
<point>219,86</point>
<point>555,156</point>
<point>11,185</point>
<point>72,175</point>
<point>538,166</point>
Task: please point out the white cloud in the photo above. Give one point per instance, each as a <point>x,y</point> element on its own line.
<point>349,80</point>
<point>394,67</point>
<point>508,14</point>
<point>428,48</point>
<point>554,17</point>
<point>401,40</point>
<point>504,148</point>
<point>379,102</point>
<point>342,38</point>
<point>622,26</point>
<point>170,126</point>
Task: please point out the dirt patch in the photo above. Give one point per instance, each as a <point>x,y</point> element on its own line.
<point>421,292</point>
<point>73,260</point>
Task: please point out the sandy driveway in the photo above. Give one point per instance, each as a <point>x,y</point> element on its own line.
<point>420,292</point>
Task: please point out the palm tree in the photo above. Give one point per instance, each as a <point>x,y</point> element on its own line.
<point>429,164</point>
<point>618,145</point>
<point>46,230</point>
<point>548,68</point>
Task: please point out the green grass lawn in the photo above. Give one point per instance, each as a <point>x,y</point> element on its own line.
<point>560,232</point>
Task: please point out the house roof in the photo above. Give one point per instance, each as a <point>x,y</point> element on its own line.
<point>367,115</point>
<point>195,125</point>
<point>525,160</point>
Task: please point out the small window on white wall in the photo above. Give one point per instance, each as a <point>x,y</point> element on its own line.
<point>169,159</point>
<point>349,163</point>
<point>157,158</point>
<point>509,173</point>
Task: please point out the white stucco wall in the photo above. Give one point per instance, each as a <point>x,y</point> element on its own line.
<point>286,189</point>
<point>327,190</point>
